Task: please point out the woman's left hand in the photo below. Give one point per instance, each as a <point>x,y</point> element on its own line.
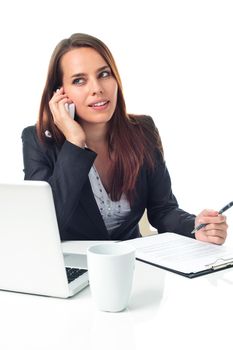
<point>216,229</point>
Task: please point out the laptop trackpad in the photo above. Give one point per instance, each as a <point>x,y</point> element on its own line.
<point>76,260</point>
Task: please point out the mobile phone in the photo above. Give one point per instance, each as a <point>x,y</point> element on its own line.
<point>71,109</point>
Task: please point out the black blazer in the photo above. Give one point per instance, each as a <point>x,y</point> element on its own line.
<point>79,218</point>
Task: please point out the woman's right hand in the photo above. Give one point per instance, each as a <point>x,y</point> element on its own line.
<point>71,129</point>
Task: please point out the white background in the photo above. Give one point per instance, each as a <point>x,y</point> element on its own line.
<point>175,58</point>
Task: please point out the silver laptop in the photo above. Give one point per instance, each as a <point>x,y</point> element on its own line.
<point>31,257</point>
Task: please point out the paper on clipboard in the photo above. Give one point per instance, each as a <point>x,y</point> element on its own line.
<point>182,254</point>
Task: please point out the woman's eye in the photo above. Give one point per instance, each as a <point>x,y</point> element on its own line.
<point>105,74</point>
<point>78,81</point>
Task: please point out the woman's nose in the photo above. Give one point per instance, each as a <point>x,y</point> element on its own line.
<point>96,88</point>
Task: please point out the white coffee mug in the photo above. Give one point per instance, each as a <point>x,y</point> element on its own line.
<point>111,270</point>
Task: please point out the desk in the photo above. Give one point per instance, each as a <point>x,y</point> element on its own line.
<point>166,311</point>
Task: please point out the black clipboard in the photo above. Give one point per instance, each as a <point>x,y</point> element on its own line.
<point>197,258</point>
<point>192,274</point>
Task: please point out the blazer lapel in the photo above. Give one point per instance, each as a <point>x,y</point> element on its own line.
<point>92,210</point>
<point>125,228</point>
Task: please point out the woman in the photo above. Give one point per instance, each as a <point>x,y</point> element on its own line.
<point>104,166</point>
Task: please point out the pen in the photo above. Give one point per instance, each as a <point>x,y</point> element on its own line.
<point>228,206</point>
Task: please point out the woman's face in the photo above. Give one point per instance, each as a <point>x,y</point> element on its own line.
<point>89,83</point>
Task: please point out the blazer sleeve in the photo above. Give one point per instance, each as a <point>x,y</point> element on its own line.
<point>162,207</point>
<point>66,171</point>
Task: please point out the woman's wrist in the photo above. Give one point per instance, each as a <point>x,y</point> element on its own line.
<point>79,143</point>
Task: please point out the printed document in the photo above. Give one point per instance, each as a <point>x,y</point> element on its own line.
<point>181,254</point>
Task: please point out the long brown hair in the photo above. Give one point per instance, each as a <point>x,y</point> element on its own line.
<point>133,139</point>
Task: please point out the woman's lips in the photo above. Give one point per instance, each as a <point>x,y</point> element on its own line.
<point>100,106</point>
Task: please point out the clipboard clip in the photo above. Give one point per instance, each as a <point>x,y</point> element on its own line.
<point>220,263</point>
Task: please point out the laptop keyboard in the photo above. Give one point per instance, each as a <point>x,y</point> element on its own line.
<point>73,273</point>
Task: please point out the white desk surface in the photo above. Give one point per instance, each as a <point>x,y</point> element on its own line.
<point>166,311</point>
